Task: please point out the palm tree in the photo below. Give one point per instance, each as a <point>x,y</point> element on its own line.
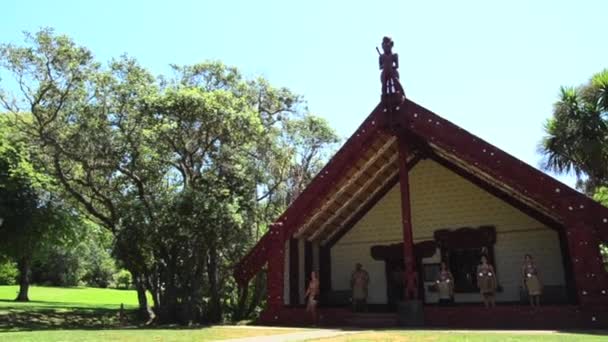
<point>577,134</point>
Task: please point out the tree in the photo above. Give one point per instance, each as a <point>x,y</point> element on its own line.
<point>577,133</point>
<point>34,221</point>
<point>185,172</point>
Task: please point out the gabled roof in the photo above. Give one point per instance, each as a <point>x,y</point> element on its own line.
<point>366,167</point>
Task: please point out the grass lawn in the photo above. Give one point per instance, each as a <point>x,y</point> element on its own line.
<point>465,336</point>
<point>201,334</point>
<point>90,314</point>
<point>72,297</point>
<point>64,308</point>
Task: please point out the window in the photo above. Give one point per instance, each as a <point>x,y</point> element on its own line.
<point>463,265</point>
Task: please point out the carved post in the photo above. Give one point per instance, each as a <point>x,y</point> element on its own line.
<point>410,274</point>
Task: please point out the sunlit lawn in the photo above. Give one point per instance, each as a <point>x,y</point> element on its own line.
<point>199,334</point>
<point>73,297</point>
<point>466,336</point>
<point>90,314</point>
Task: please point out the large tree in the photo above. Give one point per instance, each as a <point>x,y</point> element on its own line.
<point>577,133</point>
<point>35,221</point>
<point>186,172</point>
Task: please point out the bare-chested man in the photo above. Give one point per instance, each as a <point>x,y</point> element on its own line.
<point>313,296</point>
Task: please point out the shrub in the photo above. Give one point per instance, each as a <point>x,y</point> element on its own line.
<point>8,273</point>
<point>123,279</point>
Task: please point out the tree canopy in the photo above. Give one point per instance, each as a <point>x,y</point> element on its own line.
<point>577,134</point>
<point>185,171</point>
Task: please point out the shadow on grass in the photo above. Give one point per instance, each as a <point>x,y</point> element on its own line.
<point>7,304</point>
<point>23,319</point>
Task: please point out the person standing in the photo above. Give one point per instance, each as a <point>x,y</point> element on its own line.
<point>531,280</point>
<point>359,282</point>
<point>312,293</point>
<point>486,281</point>
<point>445,285</point>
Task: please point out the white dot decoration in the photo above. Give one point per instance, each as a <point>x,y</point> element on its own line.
<point>397,107</point>
<point>437,123</point>
<point>603,291</point>
<point>430,120</point>
<point>557,190</point>
<point>491,153</point>
<point>384,110</point>
<point>373,122</point>
<point>570,208</point>
<point>581,206</point>
<point>584,293</point>
<point>415,115</point>
<point>484,150</point>
<point>593,318</point>
<point>605,220</point>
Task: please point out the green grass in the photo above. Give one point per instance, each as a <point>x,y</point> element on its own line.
<point>65,308</point>
<point>157,335</point>
<point>90,314</point>
<point>72,297</point>
<point>466,336</point>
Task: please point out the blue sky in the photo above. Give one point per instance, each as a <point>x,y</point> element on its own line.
<point>492,67</point>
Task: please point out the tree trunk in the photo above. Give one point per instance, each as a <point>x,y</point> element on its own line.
<point>24,279</point>
<point>259,291</point>
<point>215,307</point>
<point>242,303</point>
<point>144,312</point>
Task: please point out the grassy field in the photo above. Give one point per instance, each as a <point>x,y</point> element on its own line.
<point>89,314</point>
<point>64,308</point>
<point>74,297</point>
<point>157,335</point>
<point>465,336</point>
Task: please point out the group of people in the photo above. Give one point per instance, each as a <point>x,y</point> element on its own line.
<point>487,284</point>
<point>359,284</point>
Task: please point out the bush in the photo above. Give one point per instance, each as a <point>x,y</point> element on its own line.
<point>123,279</point>
<point>8,273</point>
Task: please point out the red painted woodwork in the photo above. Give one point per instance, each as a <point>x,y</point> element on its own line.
<point>582,222</point>
<point>276,267</point>
<point>590,277</point>
<point>324,270</point>
<point>410,274</point>
<point>423,249</point>
<point>557,197</point>
<point>294,272</point>
<point>456,317</point>
<point>466,237</point>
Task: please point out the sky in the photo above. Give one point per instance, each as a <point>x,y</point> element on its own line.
<point>492,67</point>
